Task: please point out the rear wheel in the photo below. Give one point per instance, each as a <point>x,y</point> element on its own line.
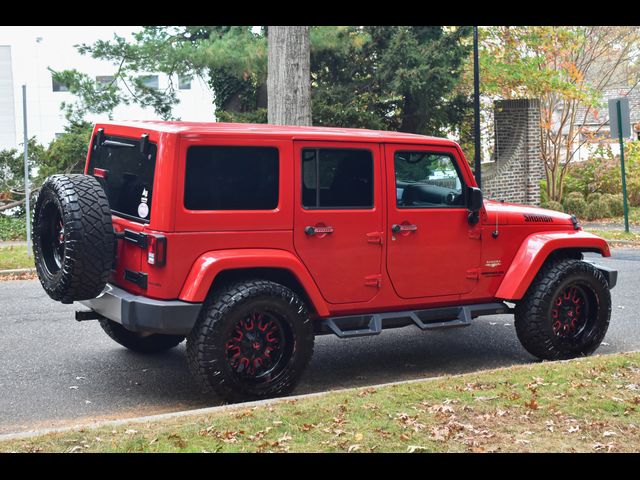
<point>138,342</point>
<point>253,340</point>
<point>565,312</point>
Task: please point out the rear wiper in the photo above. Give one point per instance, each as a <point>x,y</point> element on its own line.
<point>113,143</point>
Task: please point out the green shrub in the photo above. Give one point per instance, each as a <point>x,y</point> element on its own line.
<point>598,209</point>
<point>593,197</point>
<point>553,205</point>
<point>12,228</point>
<point>575,204</point>
<point>544,196</point>
<point>615,203</point>
<point>575,195</point>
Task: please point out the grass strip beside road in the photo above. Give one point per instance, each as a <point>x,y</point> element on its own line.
<point>586,405</point>
<point>620,237</point>
<point>15,256</point>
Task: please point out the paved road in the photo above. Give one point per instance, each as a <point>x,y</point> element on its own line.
<point>55,371</point>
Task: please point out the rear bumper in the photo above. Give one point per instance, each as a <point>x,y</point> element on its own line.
<point>142,314</point>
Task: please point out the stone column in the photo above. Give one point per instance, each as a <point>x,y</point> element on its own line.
<point>516,173</point>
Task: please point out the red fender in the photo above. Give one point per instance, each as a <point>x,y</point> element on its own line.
<point>209,265</point>
<point>534,251</point>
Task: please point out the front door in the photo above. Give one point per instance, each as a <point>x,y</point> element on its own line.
<point>338,217</point>
<point>432,248</point>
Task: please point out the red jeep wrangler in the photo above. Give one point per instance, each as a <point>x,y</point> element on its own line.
<point>249,240</point>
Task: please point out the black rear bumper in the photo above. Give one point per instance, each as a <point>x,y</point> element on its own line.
<point>142,314</point>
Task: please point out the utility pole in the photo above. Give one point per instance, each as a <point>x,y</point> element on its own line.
<point>476,107</point>
<point>27,192</point>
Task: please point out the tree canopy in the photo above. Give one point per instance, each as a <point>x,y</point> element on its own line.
<point>390,77</point>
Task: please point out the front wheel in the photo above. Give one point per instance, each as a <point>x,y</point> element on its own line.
<point>253,340</point>
<point>566,311</point>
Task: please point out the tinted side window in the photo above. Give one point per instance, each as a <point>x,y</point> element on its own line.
<point>337,178</point>
<point>231,178</point>
<point>426,180</point>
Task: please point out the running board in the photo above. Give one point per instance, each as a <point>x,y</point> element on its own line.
<point>372,324</point>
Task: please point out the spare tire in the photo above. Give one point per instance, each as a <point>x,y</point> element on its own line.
<point>73,237</point>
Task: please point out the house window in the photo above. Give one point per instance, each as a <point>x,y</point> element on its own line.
<point>184,82</point>
<point>104,80</point>
<point>150,81</point>
<point>58,87</point>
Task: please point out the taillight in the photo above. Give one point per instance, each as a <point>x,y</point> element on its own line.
<point>156,250</point>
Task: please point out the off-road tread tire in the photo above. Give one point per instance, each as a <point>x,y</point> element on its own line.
<point>89,237</point>
<point>154,343</point>
<point>534,328</point>
<point>205,343</point>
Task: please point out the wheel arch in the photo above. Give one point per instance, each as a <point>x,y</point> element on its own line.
<point>539,248</point>
<point>219,267</point>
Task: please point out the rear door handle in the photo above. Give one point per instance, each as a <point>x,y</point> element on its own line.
<point>398,228</point>
<point>309,230</point>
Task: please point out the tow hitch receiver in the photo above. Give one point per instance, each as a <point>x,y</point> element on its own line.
<point>82,315</point>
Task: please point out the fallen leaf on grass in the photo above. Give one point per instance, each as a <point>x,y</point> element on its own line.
<point>609,434</point>
<point>353,448</point>
<point>130,431</point>
<point>358,437</point>
<point>404,437</point>
<point>573,429</point>
<point>440,434</point>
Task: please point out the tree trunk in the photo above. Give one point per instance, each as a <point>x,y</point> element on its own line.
<point>288,77</point>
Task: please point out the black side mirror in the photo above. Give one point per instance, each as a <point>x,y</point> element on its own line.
<point>474,204</point>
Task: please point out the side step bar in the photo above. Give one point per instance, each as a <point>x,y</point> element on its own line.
<point>372,324</point>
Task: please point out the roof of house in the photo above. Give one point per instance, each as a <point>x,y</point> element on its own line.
<point>600,115</point>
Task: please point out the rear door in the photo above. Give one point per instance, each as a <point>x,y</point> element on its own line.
<point>338,217</point>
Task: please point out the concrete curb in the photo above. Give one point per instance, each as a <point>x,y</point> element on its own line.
<point>242,406</point>
<point>17,271</point>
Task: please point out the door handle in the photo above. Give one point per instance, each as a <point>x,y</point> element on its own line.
<point>399,228</point>
<point>309,230</point>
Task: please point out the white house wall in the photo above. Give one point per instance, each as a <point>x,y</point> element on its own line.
<point>34,49</point>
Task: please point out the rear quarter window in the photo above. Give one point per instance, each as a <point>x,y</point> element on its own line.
<point>231,178</point>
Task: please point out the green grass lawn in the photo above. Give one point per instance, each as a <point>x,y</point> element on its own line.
<point>586,405</point>
<point>15,256</point>
<point>613,235</point>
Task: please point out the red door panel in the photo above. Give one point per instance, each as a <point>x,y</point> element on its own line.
<point>436,250</point>
<point>344,253</point>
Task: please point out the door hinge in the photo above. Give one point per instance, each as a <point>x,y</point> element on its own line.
<point>473,274</point>
<point>373,281</point>
<point>375,237</point>
<point>139,278</point>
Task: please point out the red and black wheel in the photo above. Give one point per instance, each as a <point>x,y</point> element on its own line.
<point>73,240</point>
<point>565,312</point>
<point>259,346</point>
<point>253,340</point>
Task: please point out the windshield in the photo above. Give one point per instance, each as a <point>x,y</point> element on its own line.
<point>126,173</point>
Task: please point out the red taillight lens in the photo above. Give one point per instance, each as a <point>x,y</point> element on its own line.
<point>157,250</point>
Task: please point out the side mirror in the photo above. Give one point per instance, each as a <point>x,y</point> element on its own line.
<point>474,204</point>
